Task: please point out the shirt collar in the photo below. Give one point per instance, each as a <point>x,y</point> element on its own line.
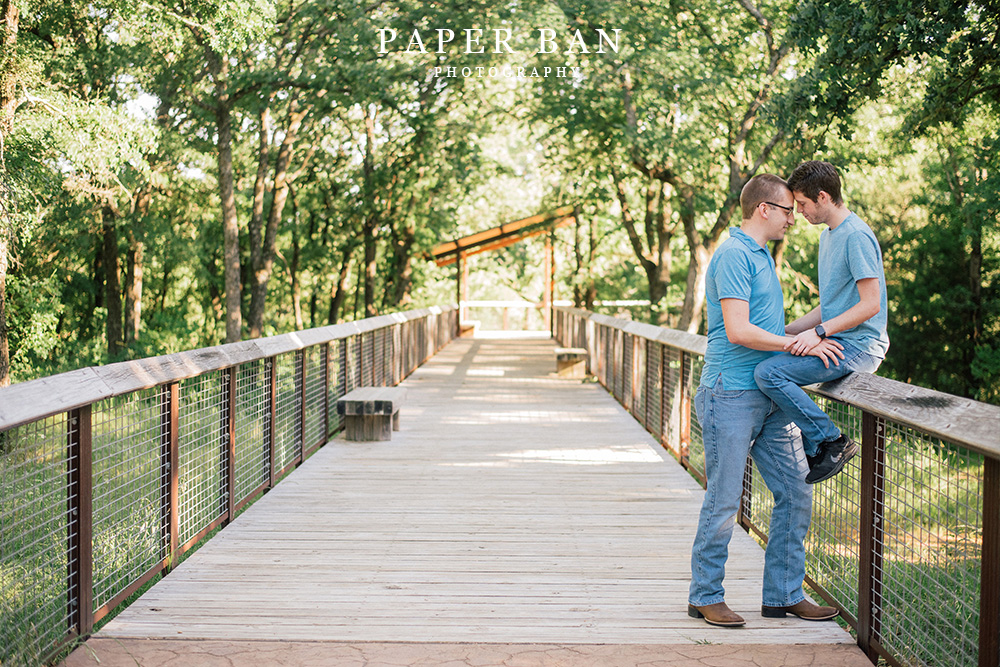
<point>746,239</point>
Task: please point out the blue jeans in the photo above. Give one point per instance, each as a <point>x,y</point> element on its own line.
<point>733,425</point>
<point>781,379</point>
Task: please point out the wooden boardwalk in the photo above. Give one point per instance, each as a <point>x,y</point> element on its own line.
<point>512,507</point>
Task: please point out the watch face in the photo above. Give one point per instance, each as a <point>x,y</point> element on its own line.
<point>820,331</point>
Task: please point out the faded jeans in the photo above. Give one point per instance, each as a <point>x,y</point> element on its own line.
<point>735,424</point>
<point>782,376</point>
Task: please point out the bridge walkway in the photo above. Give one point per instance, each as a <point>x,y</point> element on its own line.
<point>516,519</point>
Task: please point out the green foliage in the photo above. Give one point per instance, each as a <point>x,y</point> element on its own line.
<point>118,105</point>
<point>947,294</point>
<point>854,43</point>
<point>33,320</point>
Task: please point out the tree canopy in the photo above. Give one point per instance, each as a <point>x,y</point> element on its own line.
<point>180,174</point>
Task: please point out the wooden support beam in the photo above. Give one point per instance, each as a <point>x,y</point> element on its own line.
<point>446,254</point>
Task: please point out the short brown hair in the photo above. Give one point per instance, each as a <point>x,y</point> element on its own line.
<point>812,177</point>
<point>761,188</point>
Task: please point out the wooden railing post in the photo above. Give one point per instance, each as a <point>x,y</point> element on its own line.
<point>80,530</point>
<point>870,547</point>
<point>989,596</point>
<point>170,464</point>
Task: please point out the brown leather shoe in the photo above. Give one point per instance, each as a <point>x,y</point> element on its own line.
<point>805,610</point>
<point>717,614</point>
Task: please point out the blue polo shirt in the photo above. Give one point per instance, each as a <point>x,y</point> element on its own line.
<point>848,254</point>
<point>740,269</point>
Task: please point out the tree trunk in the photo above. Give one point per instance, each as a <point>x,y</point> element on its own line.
<point>778,255</point>
<point>590,291</point>
<point>112,283</point>
<point>371,266</point>
<point>664,234</point>
<point>227,194</point>
<point>694,295</point>
<point>370,226</point>
<point>579,274</point>
<point>255,228</point>
<point>230,224</point>
<point>293,270</point>
<point>133,287</point>
<point>404,266</point>
<point>134,267</point>
<point>9,19</point>
<point>164,286</point>
<point>262,271</point>
<point>4,348</point>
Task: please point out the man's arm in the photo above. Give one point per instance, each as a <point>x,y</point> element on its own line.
<point>739,331</point>
<point>807,321</point>
<point>865,309</point>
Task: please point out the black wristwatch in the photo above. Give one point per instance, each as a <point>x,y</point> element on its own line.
<point>820,331</point>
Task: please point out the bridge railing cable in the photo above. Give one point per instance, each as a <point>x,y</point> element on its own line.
<point>905,542</point>
<point>109,474</point>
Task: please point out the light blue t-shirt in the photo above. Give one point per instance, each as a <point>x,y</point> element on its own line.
<point>848,254</point>
<point>740,269</point>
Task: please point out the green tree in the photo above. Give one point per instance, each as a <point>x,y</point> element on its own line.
<point>682,109</point>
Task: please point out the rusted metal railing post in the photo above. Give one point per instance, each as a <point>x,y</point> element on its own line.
<point>684,400</point>
<point>300,360</point>
<point>744,515</point>
<point>989,600</point>
<point>272,409</point>
<point>326,392</point>
<point>665,405</point>
<point>230,443</point>
<point>80,528</point>
<point>870,548</point>
<point>170,465</point>
<point>648,375</point>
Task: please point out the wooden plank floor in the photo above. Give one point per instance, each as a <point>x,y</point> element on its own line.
<point>513,507</point>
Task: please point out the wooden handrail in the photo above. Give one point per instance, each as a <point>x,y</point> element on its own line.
<point>26,402</point>
<point>963,421</point>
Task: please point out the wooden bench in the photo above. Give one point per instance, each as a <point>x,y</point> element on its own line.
<point>371,413</point>
<point>571,362</point>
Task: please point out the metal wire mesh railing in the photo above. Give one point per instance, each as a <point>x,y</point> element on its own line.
<point>905,541</point>
<point>127,490</point>
<point>108,475</point>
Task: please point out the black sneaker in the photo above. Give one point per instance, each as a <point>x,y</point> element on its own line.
<point>831,458</point>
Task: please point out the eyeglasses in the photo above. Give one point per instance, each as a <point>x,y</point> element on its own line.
<point>789,209</point>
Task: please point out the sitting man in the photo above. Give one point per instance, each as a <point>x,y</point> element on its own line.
<point>852,310</point>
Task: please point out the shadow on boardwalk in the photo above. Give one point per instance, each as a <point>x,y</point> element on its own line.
<point>516,519</point>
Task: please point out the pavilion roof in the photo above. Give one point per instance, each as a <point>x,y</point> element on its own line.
<point>506,234</point>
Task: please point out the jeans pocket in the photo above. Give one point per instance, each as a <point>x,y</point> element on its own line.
<point>730,394</point>
<point>718,392</point>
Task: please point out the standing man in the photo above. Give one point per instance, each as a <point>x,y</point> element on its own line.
<point>746,324</point>
<point>852,311</point>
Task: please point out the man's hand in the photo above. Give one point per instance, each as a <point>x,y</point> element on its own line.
<point>803,342</point>
<point>828,350</point>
